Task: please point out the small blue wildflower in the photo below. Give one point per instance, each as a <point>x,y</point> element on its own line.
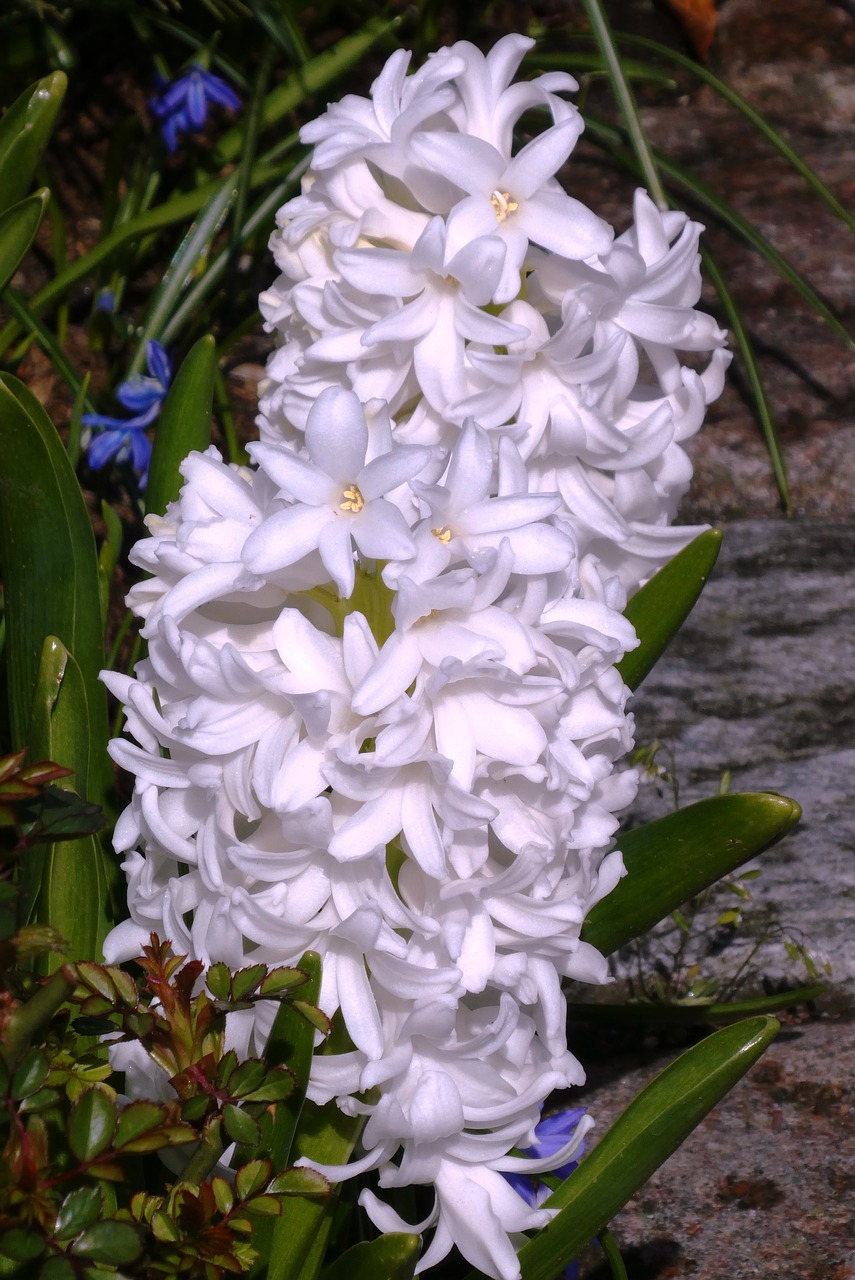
<point>551,1134</point>
<point>182,107</point>
<point>124,438</point>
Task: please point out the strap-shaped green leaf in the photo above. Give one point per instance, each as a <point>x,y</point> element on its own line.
<point>649,1131</point>
<point>291,1044</point>
<point>18,226</point>
<point>672,859</point>
<point>69,884</point>
<point>24,131</point>
<point>389,1257</point>
<point>659,608</point>
<point>184,424</point>
<point>50,571</point>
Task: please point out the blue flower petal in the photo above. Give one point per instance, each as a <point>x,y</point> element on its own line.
<point>220,92</point>
<point>104,447</point>
<point>139,393</point>
<point>197,104</point>
<point>158,363</point>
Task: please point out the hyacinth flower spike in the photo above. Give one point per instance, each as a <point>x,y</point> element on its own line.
<point>183,105</point>
<point>125,438</point>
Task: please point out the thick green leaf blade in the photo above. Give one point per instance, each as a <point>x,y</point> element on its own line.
<point>649,1131</point>
<point>290,1044</point>
<point>24,130</point>
<point>389,1257</point>
<point>50,570</point>
<point>659,608</point>
<point>184,424</point>
<point>672,859</point>
<point>18,227</point>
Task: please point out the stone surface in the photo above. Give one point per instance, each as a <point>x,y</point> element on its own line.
<point>761,681</point>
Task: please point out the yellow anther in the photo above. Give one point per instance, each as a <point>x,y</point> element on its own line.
<point>353,500</point>
<point>442,532</point>
<point>503,204</point>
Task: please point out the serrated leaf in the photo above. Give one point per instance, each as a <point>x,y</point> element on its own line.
<point>251,1177</point>
<point>219,980</point>
<point>282,979</point>
<point>223,1195</point>
<point>194,1109</point>
<point>18,227</point>
<point>390,1257</point>
<point>226,1067</point>
<point>163,1227</point>
<point>41,1100</point>
<point>138,1118</point>
<point>247,1077</point>
<point>313,1015</point>
<point>97,978</point>
<point>239,1125</point>
<point>119,1243</point>
<point>126,988</point>
<point>263,1206</point>
<point>659,608</point>
<point>300,1182</point>
<point>246,981</point>
<point>24,130</point>
<point>674,858</point>
<point>278,1085</point>
<point>650,1129</point>
<point>78,1210</point>
<point>91,1124</point>
<point>30,1073</point>
<point>184,425</point>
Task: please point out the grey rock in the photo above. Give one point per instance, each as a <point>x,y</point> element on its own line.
<point>761,681</point>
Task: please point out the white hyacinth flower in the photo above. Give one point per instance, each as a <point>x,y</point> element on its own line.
<point>380,715</point>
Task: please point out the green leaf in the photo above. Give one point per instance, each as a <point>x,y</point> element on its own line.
<point>219,980</point>
<point>184,424</point>
<point>239,1125</point>
<point>59,1268</point>
<point>223,1195</point>
<point>313,1015</point>
<point>68,883</point>
<point>18,227</point>
<point>300,1182</point>
<point>57,705</point>
<point>264,1206</point>
<point>91,1124</point>
<point>30,1073</point>
<point>245,981</point>
<point>24,130</point>
<point>185,263</point>
<point>291,1043</point>
<point>252,1177</point>
<point>674,858</point>
<point>21,1245</point>
<point>136,1119</point>
<point>690,1013</point>
<point>631,119</point>
<point>659,608</point>
<point>649,1131</point>
<point>389,1257</point>
<point>281,979</point>
<point>278,1085</point>
<point>108,556</point>
<point>78,1211</point>
<point>247,1077</point>
<point>119,1243</point>
<point>50,567</point>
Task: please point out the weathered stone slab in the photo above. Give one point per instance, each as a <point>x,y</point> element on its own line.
<point>761,681</point>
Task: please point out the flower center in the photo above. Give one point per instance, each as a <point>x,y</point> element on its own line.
<point>503,204</point>
<point>352,500</point>
<point>442,532</point>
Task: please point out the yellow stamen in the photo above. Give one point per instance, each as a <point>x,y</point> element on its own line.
<point>353,500</point>
<point>442,532</point>
<point>503,204</point>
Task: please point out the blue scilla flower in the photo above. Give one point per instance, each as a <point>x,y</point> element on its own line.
<point>182,107</point>
<point>125,438</point>
<point>551,1134</point>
